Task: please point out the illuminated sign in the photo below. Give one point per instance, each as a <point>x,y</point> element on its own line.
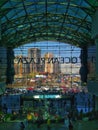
<point>46,96</point>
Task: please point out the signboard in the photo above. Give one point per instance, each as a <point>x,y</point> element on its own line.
<point>46,96</point>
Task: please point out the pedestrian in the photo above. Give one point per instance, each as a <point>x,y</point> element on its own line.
<point>48,127</point>
<point>22,126</point>
<point>70,124</point>
<point>48,124</point>
<point>66,122</point>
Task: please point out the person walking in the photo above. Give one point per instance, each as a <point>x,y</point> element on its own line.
<point>70,124</point>
<point>66,122</point>
<point>22,126</point>
<point>48,124</point>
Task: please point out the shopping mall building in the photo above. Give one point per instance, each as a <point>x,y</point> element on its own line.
<point>72,22</point>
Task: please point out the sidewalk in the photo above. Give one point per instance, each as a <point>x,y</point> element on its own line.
<point>79,125</point>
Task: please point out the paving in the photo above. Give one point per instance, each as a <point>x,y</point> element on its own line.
<point>79,125</point>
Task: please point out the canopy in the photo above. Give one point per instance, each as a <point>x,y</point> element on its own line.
<point>25,21</point>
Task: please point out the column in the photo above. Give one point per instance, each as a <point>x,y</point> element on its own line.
<point>96,65</point>
<point>3,66</point>
<point>10,66</point>
<point>95,37</point>
<point>84,68</point>
<point>93,83</point>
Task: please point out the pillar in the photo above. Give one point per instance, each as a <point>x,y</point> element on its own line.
<point>93,83</point>
<point>83,69</point>
<point>95,37</point>
<point>3,66</point>
<point>96,65</point>
<point>10,66</point>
